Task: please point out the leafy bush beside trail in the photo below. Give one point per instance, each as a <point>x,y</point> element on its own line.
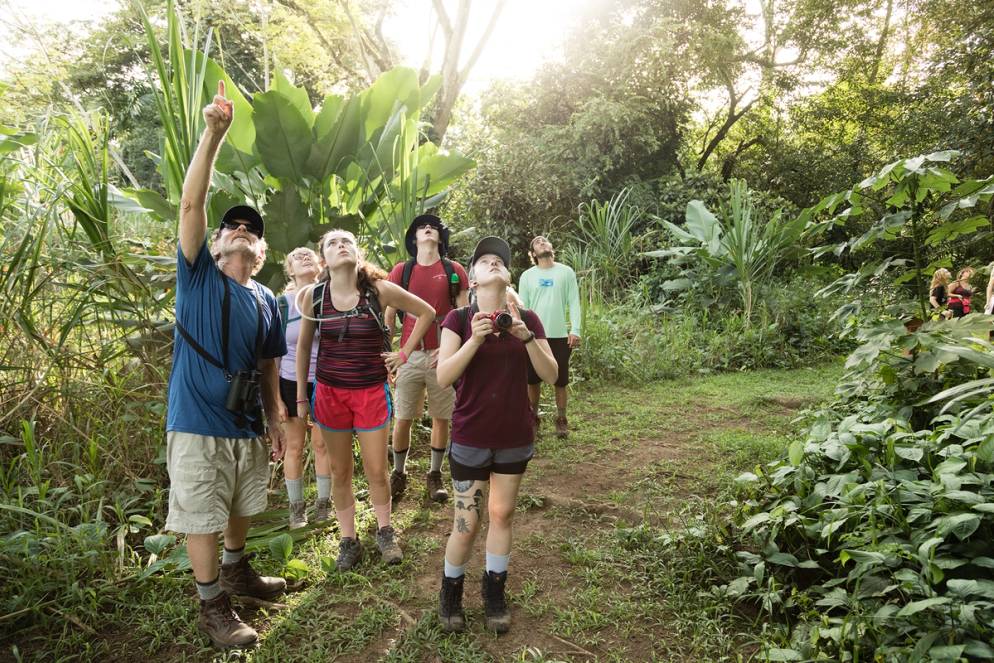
<point>873,536</point>
<point>631,341</point>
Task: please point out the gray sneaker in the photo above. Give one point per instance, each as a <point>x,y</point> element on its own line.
<point>298,514</point>
<point>349,553</point>
<point>322,510</point>
<point>390,552</point>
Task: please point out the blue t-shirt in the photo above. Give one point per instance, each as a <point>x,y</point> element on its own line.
<point>197,388</point>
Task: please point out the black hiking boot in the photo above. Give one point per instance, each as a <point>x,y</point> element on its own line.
<point>450,605</point>
<point>494,602</point>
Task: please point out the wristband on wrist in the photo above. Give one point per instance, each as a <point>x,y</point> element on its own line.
<point>303,400</point>
<point>403,356</point>
<point>531,337</point>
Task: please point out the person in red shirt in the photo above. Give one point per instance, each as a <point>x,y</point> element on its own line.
<point>493,430</point>
<point>443,284</point>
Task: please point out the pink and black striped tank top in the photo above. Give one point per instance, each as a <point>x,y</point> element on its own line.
<point>350,346</point>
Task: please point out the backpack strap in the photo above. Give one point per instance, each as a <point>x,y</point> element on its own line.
<point>453,281</point>
<point>317,299</point>
<point>373,303</point>
<point>283,302</point>
<point>405,282</point>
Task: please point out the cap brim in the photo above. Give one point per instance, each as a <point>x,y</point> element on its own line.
<point>246,213</point>
<point>494,246</point>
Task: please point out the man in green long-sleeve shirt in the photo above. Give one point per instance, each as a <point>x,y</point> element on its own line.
<point>549,288</point>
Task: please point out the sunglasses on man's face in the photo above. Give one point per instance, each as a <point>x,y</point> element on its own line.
<point>235,225</point>
<point>426,225</point>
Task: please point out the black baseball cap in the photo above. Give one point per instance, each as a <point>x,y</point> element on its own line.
<point>245,213</point>
<point>494,246</point>
<point>411,239</point>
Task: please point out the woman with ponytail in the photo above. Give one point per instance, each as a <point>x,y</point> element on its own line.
<point>351,396</point>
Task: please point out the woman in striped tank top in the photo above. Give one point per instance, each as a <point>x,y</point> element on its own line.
<point>351,396</point>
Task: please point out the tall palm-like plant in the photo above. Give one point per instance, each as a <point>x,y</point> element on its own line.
<point>740,247</point>
<point>605,241</point>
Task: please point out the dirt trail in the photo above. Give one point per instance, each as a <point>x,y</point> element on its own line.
<point>567,502</point>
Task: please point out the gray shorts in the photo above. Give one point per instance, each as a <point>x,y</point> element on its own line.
<point>212,479</point>
<point>478,463</point>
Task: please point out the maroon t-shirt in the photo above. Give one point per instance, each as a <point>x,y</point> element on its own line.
<point>492,409</point>
<point>432,285</point>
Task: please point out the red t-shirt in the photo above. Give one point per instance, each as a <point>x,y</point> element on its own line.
<point>492,409</point>
<point>430,284</point>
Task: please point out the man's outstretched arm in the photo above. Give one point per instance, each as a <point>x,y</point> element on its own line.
<point>193,205</point>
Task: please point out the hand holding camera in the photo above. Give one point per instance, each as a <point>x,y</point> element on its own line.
<point>517,327</point>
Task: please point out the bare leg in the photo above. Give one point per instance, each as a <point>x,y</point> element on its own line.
<point>202,549</point>
<point>466,520</point>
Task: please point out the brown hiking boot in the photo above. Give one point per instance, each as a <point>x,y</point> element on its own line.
<point>436,491</point>
<point>561,428</point>
<point>398,484</point>
<point>322,510</point>
<point>223,625</point>
<point>298,514</point>
<point>240,579</point>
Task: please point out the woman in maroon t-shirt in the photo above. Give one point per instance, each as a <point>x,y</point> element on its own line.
<point>492,428</point>
<point>351,395</point>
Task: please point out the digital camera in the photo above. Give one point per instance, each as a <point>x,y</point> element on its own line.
<point>501,320</point>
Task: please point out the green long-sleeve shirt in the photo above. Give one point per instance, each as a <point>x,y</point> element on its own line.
<point>549,292</point>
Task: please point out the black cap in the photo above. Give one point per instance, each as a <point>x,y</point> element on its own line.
<point>495,246</point>
<point>245,213</point>
<point>411,240</point>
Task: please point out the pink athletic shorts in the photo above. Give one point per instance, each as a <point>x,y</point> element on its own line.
<point>340,410</point>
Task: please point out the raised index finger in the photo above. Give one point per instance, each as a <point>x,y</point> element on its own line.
<point>220,88</point>
<point>513,308</point>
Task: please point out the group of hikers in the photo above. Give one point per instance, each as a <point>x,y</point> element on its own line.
<point>951,299</point>
<point>248,366</point>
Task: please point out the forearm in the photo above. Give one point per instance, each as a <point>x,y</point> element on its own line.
<point>198,175</point>
<point>543,362</point>
<point>450,369</point>
<point>270,387</point>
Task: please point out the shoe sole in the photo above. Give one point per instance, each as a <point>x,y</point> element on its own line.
<point>449,627</point>
<point>298,525</point>
<point>261,597</point>
<point>217,644</point>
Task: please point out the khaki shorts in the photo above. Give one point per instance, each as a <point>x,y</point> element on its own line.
<point>212,479</point>
<point>414,377</point>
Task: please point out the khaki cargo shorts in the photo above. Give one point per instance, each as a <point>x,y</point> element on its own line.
<point>213,478</point>
<point>415,377</point>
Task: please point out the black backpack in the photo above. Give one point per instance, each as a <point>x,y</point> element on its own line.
<point>372,306</point>
<point>450,272</point>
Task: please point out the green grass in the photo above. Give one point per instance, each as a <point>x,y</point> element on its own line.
<point>605,584</point>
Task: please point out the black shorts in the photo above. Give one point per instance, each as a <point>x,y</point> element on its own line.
<point>288,393</point>
<point>477,464</point>
<point>561,352</point>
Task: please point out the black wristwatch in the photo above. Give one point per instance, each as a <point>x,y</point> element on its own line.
<point>531,338</point>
